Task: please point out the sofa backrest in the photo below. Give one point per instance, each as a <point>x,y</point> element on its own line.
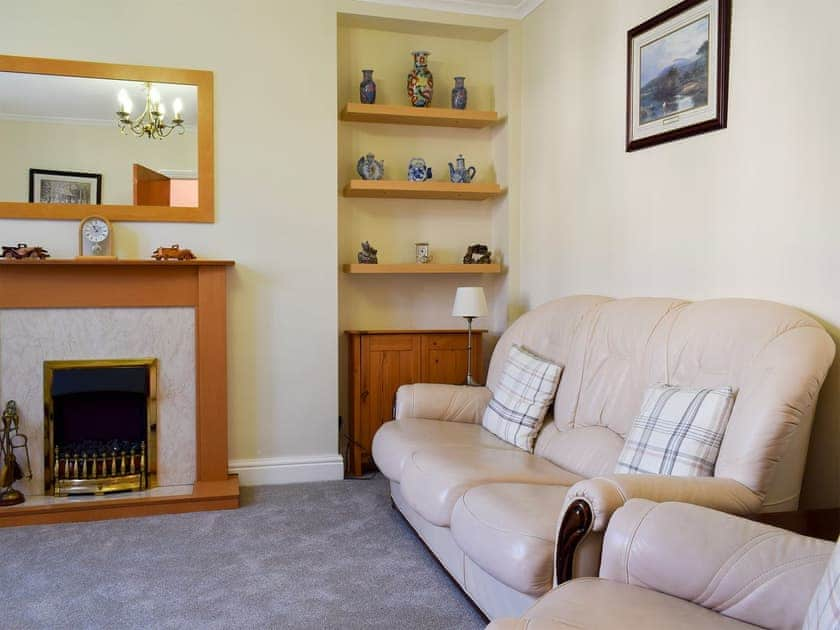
<point>775,356</point>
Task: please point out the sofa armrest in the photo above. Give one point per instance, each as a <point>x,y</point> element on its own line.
<point>590,503</point>
<point>750,571</point>
<point>606,494</point>
<point>448,403</point>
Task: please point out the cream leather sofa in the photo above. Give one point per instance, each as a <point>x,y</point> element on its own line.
<point>490,511</point>
<point>676,566</point>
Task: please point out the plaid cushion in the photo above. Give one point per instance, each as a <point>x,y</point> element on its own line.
<point>522,398</point>
<point>824,610</point>
<point>678,432</point>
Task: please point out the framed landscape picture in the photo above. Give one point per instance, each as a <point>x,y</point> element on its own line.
<point>678,73</point>
<point>64,187</point>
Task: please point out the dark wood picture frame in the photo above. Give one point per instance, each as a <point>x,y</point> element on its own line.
<point>720,74</point>
<point>33,172</point>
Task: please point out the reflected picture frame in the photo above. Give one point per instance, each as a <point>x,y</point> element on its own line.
<point>64,187</point>
<point>678,73</point>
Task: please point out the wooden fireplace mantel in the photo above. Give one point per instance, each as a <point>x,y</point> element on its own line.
<point>201,284</point>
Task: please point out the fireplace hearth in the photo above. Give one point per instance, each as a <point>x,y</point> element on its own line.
<point>100,426</point>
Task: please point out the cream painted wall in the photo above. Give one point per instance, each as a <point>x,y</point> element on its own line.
<point>275,95</point>
<point>89,149</point>
<point>748,211</point>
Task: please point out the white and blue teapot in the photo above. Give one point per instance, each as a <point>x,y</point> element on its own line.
<point>460,174</point>
<point>418,171</point>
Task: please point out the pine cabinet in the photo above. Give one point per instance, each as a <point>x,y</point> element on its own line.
<point>382,361</point>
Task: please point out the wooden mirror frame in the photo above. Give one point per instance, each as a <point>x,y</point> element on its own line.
<point>202,79</point>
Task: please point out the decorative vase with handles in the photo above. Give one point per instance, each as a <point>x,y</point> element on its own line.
<point>367,88</point>
<point>459,94</point>
<point>420,81</point>
<point>369,168</point>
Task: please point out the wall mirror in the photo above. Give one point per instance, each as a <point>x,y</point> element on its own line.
<point>131,143</point>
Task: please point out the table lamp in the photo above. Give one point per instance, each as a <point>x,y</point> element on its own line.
<point>469,304</point>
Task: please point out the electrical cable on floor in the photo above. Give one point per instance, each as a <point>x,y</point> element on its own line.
<point>351,442</point>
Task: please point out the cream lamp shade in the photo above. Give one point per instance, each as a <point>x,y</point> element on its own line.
<point>469,302</point>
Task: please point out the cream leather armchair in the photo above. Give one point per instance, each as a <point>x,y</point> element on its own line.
<point>679,566</point>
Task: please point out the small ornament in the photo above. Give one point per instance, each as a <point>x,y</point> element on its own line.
<point>369,168</point>
<point>418,171</point>
<point>460,174</point>
<point>422,254</point>
<point>420,81</point>
<point>22,250</point>
<point>368,254</point>
<point>367,88</point>
<point>477,254</point>
<point>459,94</point>
<point>173,252</point>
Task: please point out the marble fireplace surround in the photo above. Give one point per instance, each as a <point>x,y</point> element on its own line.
<point>28,337</point>
<point>79,309</point>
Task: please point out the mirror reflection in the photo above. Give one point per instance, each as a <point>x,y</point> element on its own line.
<point>81,140</point>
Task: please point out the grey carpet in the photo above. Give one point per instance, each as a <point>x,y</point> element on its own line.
<point>318,555</point>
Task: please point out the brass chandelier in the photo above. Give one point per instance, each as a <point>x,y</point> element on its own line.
<point>151,123</point>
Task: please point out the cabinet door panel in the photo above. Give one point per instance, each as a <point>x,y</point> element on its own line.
<point>391,361</point>
<point>445,358</point>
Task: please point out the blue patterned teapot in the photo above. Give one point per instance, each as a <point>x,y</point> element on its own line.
<point>460,174</point>
<point>418,171</point>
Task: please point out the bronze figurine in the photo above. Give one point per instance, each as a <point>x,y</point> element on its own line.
<point>368,254</point>
<point>477,255</point>
<point>10,470</point>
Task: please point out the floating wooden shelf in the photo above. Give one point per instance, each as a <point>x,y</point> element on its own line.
<point>415,268</point>
<point>117,262</point>
<point>398,189</point>
<point>429,116</point>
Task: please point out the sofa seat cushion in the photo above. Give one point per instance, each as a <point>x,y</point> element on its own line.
<point>508,529</point>
<point>396,440</point>
<point>435,478</point>
<point>598,604</point>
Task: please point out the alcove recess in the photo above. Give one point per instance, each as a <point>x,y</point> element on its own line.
<point>482,50</point>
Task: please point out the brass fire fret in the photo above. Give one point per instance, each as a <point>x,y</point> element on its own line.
<point>83,474</point>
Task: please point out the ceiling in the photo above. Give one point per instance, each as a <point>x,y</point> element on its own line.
<point>512,9</point>
<point>81,100</point>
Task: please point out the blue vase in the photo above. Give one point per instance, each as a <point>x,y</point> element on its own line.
<point>367,88</point>
<point>459,94</point>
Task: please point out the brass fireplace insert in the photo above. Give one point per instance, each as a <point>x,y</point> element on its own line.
<point>100,425</point>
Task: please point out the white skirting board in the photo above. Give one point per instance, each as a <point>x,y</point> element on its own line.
<point>289,469</point>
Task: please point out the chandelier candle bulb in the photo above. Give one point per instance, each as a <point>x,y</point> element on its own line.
<point>125,102</point>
